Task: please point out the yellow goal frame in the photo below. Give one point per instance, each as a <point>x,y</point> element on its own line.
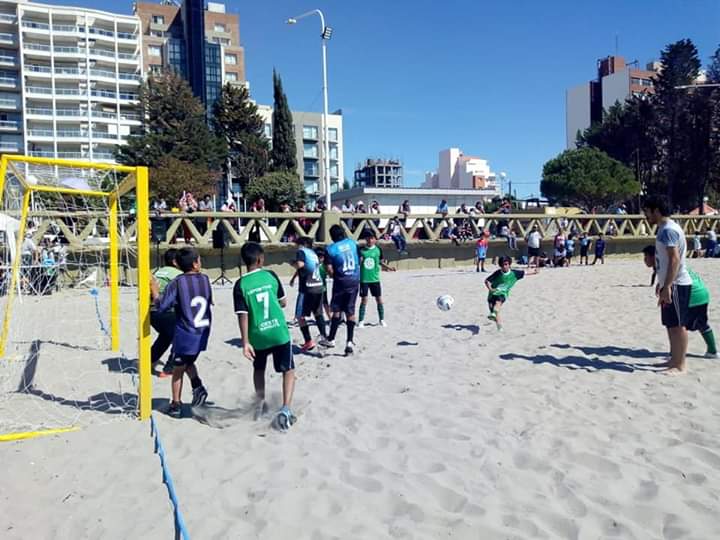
<point>137,179</point>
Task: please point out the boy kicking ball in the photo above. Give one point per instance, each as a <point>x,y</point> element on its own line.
<point>259,300</point>
<point>190,294</point>
<point>499,284</point>
<point>371,262</point>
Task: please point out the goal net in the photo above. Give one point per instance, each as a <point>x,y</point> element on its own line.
<point>73,286</point>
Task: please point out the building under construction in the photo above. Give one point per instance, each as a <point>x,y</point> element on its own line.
<point>381,173</point>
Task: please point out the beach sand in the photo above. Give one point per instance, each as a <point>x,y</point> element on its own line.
<point>439,427</point>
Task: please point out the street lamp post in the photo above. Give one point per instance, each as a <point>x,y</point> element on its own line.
<point>326,32</point>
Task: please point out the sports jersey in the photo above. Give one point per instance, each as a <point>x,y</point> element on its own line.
<point>309,275</point>
<point>670,234</point>
<point>323,276</point>
<point>258,293</point>
<point>165,275</point>
<point>570,244</point>
<point>370,269</point>
<point>599,246</point>
<point>345,261</point>
<point>502,282</point>
<point>699,295</point>
<point>191,296</point>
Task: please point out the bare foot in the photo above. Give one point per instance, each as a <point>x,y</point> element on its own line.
<point>674,371</point>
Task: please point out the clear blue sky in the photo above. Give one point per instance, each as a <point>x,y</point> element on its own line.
<point>487,76</point>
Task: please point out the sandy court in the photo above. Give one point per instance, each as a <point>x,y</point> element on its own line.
<point>439,427</point>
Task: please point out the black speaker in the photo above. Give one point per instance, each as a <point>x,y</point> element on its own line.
<point>218,237</point>
<point>158,230</point>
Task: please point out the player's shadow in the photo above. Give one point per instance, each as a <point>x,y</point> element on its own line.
<point>576,362</point>
<point>407,343</point>
<point>121,364</point>
<point>235,342</point>
<point>635,286</point>
<point>474,329</point>
<point>612,350</point>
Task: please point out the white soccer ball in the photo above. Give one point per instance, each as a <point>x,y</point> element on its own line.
<point>445,302</point>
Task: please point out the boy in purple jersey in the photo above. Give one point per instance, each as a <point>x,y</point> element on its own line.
<point>190,294</point>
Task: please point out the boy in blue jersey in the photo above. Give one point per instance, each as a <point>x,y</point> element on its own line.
<point>599,249</point>
<point>310,292</point>
<point>343,265</point>
<point>190,294</point>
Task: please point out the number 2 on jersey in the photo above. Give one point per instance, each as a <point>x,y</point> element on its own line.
<point>264,299</point>
<point>201,303</point>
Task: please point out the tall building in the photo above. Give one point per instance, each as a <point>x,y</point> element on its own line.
<point>458,171</point>
<point>69,80</point>
<point>381,173</point>
<point>201,43</point>
<point>616,81</point>
<point>308,137</point>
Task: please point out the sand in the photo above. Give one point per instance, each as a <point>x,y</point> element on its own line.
<point>439,427</point>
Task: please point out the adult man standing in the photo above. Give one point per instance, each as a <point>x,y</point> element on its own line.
<point>711,242</point>
<point>674,282</point>
<point>533,241</point>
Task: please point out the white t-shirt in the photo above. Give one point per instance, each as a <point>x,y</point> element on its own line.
<point>670,234</point>
<point>534,239</point>
<point>712,235</point>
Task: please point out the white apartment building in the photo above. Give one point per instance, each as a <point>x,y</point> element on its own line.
<point>458,171</point>
<point>308,140</point>
<point>69,80</point>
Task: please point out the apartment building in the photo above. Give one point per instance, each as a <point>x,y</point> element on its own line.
<point>308,140</point>
<point>69,80</point>
<point>381,173</point>
<point>459,171</point>
<point>200,42</point>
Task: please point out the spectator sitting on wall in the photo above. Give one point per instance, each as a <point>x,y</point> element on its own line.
<point>404,211</point>
<point>360,208</point>
<point>228,206</point>
<point>463,210</point>
<point>442,208</point>
<point>347,207</point>
<point>479,207</point>
<point>396,234</point>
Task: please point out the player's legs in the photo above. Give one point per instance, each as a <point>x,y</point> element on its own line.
<point>709,339</point>
<point>164,325</point>
<point>678,338</point>
<point>675,317</point>
<point>288,387</point>
<point>259,365</point>
<point>482,264</point>
<point>364,290</point>
<point>376,290</point>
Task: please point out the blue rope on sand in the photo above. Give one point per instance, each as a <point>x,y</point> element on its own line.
<point>94,293</point>
<point>180,529</point>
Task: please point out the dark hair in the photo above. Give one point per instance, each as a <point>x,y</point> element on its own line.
<point>170,256</point>
<point>320,251</point>
<point>250,253</point>
<point>649,250</point>
<point>186,257</point>
<point>504,259</point>
<point>337,233</point>
<point>657,203</point>
<point>305,241</point>
<point>369,233</point>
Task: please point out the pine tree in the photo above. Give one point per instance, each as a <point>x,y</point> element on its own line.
<point>284,150</point>
<point>236,121</point>
<point>174,125</point>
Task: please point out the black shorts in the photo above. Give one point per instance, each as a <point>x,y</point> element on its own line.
<point>570,254</point>
<point>533,252</point>
<point>282,358</point>
<point>492,300</point>
<point>186,360</point>
<point>307,304</point>
<point>375,289</point>
<point>583,252</point>
<point>676,313</point>
<point>344,298</point>
<point>697,318</point>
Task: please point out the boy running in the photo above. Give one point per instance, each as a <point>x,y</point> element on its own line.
<point>499,284</point>
<point>481,248</point>
<point>259,300</point>
<point>371,262</point>
<point>191,296</point>
<point>164,321</point>
<point>343,265</point>
<point>310,297</point>
<point>698,305</point>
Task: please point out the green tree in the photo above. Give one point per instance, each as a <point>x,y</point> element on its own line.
<point>174,125</point>
<point>284,149</point>
<point>276,188</point>
<point>172,176</point>
<point>237,122</point>
<point>587,177</point>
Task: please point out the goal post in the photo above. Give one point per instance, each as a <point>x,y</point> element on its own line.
<point>75,205</point>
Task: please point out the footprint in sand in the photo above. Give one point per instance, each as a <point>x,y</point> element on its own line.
<point>370,485</point>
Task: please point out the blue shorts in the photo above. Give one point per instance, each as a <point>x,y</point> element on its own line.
<point>344,297</point>
<point>481,252</point>
<point>186,343</point>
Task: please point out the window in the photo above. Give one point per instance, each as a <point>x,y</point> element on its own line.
<point>310,132</point>
<point>155,68</point>
<point>157,33</point>
<point>213,73</point>
<point>333,151</point>
<point>231,59</point>
<point>310,168</point>
<point>268,131</point>
<point>221,41</point>
<point>176,55</point>
<point>310,150</point>
<point>219,27</point>
<point>158,19</point>
<point>231,76</point>
<point>333,170</point>
<point>154,50</point>
<point>332,134</point>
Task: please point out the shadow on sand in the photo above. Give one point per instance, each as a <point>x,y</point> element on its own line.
<point>474,329</point>
<point>576,362</point>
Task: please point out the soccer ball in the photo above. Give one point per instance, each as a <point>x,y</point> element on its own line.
<point>445,302</point>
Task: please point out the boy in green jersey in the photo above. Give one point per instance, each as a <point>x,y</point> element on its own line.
<point>259,300</point>
<point>371,263</point>
<point>164,322</point>
<point>499,284</point>
<point>697,318</point>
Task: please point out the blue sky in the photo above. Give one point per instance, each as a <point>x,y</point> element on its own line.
<point>489,77</point>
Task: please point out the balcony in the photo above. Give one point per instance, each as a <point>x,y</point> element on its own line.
<point>8,60</point>
<point>128,96</point>
<point>60,50</point>
<point>128,35</point>
<point>32,25</point>
<point>128,56</point>
<point>101,32</point>
<point>7,146</point>
<point>60,92</point>
<point>9,104</point>
<point>60,133</point>
<point>29,46</point>
<point>9,125</point>
<point>8,82</point>
<point>69,72</point>
<point>105,156</point>
<point>132,117</point>
<point>129,77</point>
<point>7,18</point>
<point>34,68</point>
<point>102,52</point>
<point>7,39</point>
